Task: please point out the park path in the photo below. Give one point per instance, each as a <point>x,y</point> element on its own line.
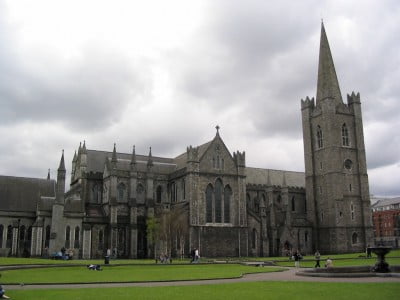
<point>288,275</point>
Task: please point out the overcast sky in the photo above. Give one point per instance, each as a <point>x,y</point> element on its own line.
<point>165,73</point>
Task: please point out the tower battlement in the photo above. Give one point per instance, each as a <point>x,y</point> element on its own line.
<point>353,98</point>
<point>307,103</point>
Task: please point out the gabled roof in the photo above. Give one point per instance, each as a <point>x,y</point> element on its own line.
<point>276,177</point>
<point>23,194</point>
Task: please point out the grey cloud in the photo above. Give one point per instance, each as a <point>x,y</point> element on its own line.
<point>89,94</point>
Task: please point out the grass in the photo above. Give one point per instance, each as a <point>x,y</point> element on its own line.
<point>232,291</point>
<point>128,273</point>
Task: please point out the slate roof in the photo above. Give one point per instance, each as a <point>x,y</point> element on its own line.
<point>386,202</point>
<point>260,176</point>
<point>96,160</point>
<point>23,194</point>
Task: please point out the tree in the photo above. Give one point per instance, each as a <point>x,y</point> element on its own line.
<point>153,233</point>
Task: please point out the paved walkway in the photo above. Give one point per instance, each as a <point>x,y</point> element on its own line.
<point>287,275</point>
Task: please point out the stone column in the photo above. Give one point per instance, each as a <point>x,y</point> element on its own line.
<point>86,241</point>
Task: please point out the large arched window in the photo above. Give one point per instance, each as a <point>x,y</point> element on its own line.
<point>67,237</point>
<point>345,135</point>
<point>28,240</point>
<point>227,204</point>
<point>9,236</point>
<point>218,201</point>
<point>320,142</point>
<point>121,193</point>
<point>1,235</point>
<point>77,235</point>
<point>158,194</point>
<point>209,200</point>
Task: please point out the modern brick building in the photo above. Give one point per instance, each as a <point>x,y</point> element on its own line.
<point>386,221</point>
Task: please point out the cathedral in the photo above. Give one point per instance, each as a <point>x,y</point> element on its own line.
<point>208,196</point>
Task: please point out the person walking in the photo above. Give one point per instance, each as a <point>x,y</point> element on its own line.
<point>317,259</point>
<point>296,257</point>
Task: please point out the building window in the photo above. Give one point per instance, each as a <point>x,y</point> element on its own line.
<point>345,135</point>
<point>279,199</point>
<point>67,237</point>
<point>352,211</point>
<point>248,201</point>
<point>9,236</point>
<point>47,237</point>
<point>306,237</point>
<point>121,192</point>
<point>1,235</point>
<point>218,201</point>
<point>253,238</point>
<point>101,239</point>
<point>350,187</point>
<point>183,189</point>
<point>227,204</point>
<point>21,234</point>
<point>354,238</point>
<point>96,193</point>
<point>140,194</point>
<point>320,142</point>
<point>256,205</point>
<point>209,209</point>
<point>158,194</point>
<point>77,235</point>
<point>293,204</point>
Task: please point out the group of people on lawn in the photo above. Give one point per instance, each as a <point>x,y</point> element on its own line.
<point>297,257</point>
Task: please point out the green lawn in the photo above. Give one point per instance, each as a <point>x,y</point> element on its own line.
<point>128,273</point>
<point>310,263</point>
<point>232,291</point>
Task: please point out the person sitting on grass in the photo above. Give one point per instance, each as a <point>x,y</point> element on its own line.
<point>2,293</point>
<point>94,267</point>
<point>329,263</point>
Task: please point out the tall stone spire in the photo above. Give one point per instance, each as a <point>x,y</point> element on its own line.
<point>48,175</point>
<point>62,163</point>
<point>150,159</point>
<point>328,84</point>
<point>114,156</point>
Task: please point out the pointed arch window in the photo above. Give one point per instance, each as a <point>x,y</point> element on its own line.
<point>101,239</point>
<point>209,202</point>
<point>122,193</point>
<point>96,193</point>
<point>9,236</point>
<point>248,201</point>
<point>227,204</point>
<point>354,238</point>
<point>293,204</point>
<point>47,237</point>
<point>22,233</point>
<point>320,141</point>
<point>1,235</point>
<point>218,201</point>
<point>256,205</point>
<point>77,235</point>
<point>345,135</point>
<point>140,194</point>
<point>253,238</point>
<point>158,194</point>
<point>67,237</point>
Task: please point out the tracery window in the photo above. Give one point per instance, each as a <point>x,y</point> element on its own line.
<point>121,192</point>
<point>320,142</point>
<point>218,202</point>
<point>227,204</point>
<point>345,135</point>
<point>9,236</point>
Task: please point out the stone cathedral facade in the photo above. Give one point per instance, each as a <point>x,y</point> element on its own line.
<point>227,208</point>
